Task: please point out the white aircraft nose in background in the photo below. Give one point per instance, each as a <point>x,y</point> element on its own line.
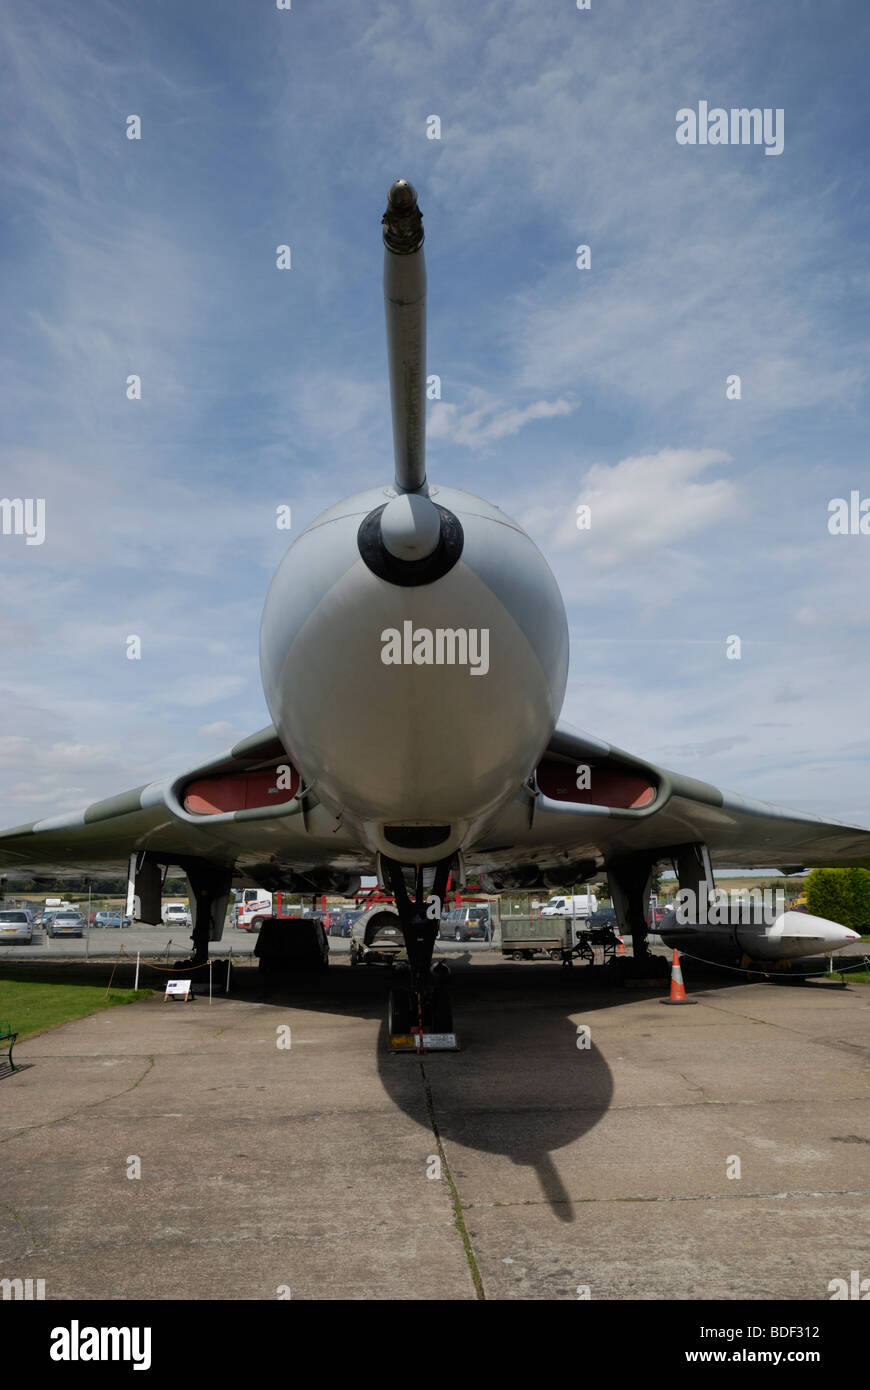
<point>800,934</point>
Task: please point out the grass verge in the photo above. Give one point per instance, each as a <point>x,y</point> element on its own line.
<point>33,1005</point>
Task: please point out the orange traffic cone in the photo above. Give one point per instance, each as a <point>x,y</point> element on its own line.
<point>620,950</point>
<point>678,992</point>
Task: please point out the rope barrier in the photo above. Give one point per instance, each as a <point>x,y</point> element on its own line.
<point>211,960</point>
<point>174,969</point>
<point>862,964</point>
<point>161,969</point>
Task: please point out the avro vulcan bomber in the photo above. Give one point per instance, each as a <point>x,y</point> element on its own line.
<point>445,755</point>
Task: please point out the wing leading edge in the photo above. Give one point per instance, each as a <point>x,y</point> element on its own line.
<point>246,812</point>
<point>624,807</point>
<point>230,812</point>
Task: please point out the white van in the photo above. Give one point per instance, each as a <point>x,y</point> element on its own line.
<point>177,914</point>
<point>580,905</point>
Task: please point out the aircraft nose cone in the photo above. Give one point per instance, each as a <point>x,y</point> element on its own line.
<point>410,527</point>
<point>835,936</point>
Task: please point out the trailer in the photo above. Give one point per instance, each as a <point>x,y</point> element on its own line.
<point>565,939</point>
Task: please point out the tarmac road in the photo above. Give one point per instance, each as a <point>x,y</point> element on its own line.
<point>174,942</point>
<point>156,941</point>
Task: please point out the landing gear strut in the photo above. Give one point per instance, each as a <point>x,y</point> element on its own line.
<point>421,1007</point>
<point>210,890</point>
<point>629,883</point>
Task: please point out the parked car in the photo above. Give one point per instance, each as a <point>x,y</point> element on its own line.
<point>15,925</point>
<point>604,917</point>
<point>331,921</point>
<point>466,924</point>
<point>344,925</point>
<point>112,918</point>
<point>67,924</point>
<point>51,909</point>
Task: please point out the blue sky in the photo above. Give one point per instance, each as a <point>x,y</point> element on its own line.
<point>262,127</point>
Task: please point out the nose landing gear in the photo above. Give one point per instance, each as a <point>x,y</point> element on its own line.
<point>420,1015</point>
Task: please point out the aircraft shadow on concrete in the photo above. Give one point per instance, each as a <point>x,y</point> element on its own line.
<point>520,1086</point>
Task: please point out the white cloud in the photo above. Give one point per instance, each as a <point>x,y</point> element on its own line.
<point>484,424</point>
<point>642,504</point>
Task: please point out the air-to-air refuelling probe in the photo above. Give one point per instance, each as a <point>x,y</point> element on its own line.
<point>444,755</point>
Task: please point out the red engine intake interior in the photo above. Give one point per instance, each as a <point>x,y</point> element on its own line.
<point>608,786</point>
<point>239,791</point>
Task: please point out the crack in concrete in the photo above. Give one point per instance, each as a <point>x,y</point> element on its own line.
<point>45,1124</point>
<point>459,1220</point>
<point>835,1043</point>
<point>649,1105</point>
<point>690,1197</point>
<point>17,1216</point>
<point>693,1085</point>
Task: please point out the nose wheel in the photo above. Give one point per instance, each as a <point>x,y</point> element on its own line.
<point>408,1011</point>
<point>419,1011</point>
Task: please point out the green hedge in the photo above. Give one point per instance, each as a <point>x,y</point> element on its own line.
<point>843,895</point>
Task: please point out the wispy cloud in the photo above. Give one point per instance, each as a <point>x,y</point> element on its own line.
<point>481,425</point>
<point>641,504</point>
